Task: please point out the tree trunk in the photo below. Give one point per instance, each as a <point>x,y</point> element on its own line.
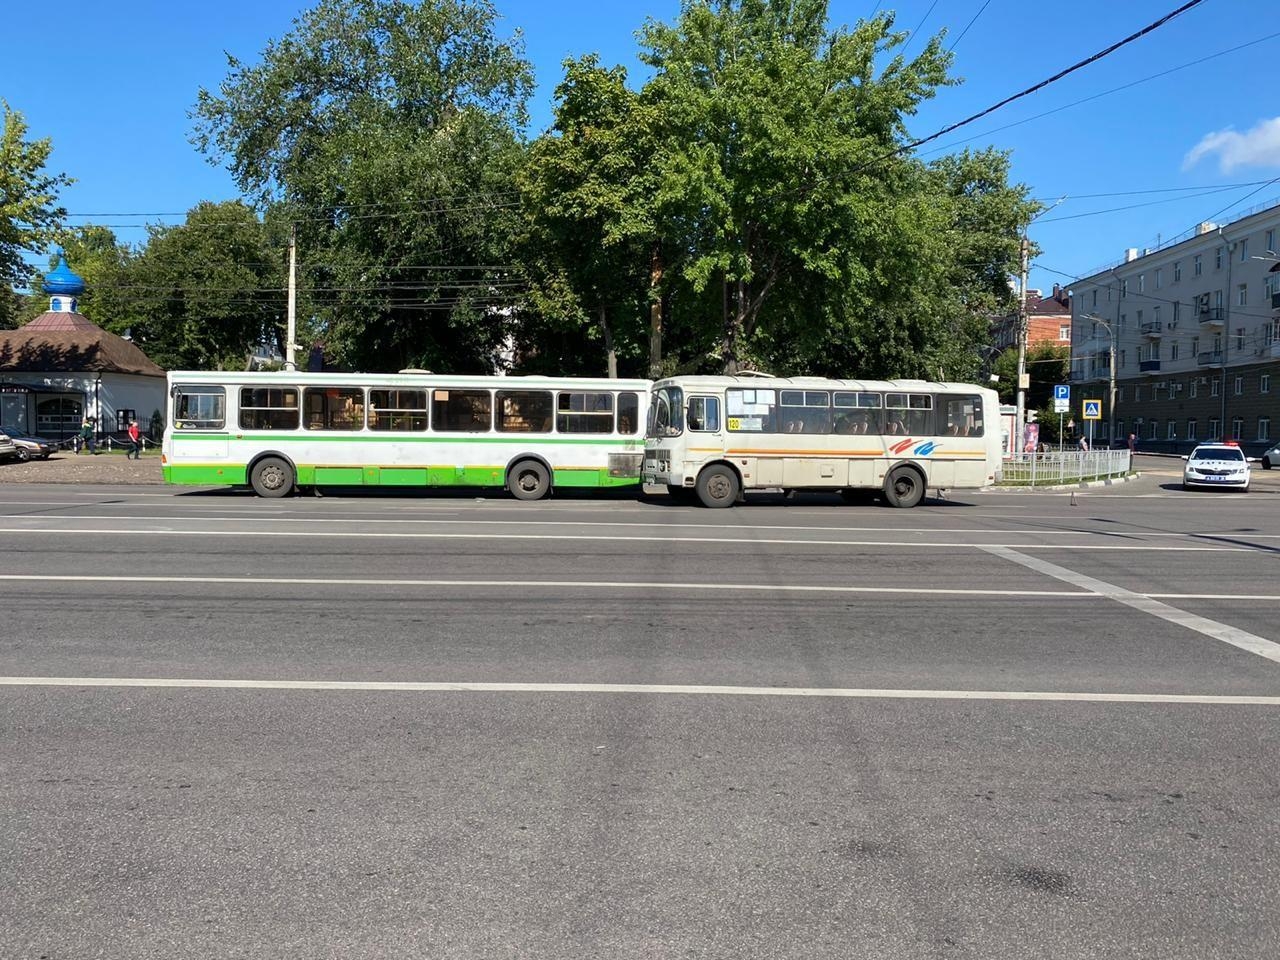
<point>733,327</point>
<point>611,354</point>
<point>655,313</point>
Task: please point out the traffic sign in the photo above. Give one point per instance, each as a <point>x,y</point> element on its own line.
<point>1060,405</point>
<point>1093,409</point>
<point>1062,391</point>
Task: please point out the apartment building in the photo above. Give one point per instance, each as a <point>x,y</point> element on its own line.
<point>1196,327</point>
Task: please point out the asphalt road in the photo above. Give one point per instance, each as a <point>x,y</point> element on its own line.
<point>996,726</point>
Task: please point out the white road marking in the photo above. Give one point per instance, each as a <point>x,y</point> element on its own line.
<point>731,527</point>
<point>849,693</point>
<point>507,584</point>
<point>1242,639</point>
<point>133,530</point>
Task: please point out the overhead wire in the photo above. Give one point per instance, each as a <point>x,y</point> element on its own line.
<point>971,22</point>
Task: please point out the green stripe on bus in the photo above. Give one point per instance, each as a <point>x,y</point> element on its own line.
<point>205,474</point>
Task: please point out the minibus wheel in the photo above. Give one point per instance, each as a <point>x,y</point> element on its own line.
<point>904,487</point>
<point>717,486</point>
<point>529,480</point>
<point>272,477</point>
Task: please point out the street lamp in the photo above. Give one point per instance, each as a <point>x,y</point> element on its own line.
<point>1111,363</point>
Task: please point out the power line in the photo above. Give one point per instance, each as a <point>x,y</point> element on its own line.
<point>919,25</point>
<point>1136,193</point>
<point>1135,206</point>
<point>1104,93</point>
<point>1107,51</point>
<point>967,26</point>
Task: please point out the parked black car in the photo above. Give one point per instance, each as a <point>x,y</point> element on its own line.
<point>30,447</point>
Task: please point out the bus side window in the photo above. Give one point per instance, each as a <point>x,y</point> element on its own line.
<point>628,413</point>
<point>704,414</point>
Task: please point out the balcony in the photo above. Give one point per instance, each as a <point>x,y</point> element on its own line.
<point>1275,300</point>
<point>1210,317</point>
<point>1149,366</point>
<point>1153,329</point>
<point>1209,358</point>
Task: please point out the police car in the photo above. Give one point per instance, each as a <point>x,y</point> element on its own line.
<point>1216,465</point>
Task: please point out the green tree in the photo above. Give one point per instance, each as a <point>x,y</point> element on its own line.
<point>1046,363</point>
<point>588,228</point>
<point>29,210</point>
<point>205,294</point>
<point>388,131</point>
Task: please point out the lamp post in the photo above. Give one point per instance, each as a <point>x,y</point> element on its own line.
<point>1111,364</point>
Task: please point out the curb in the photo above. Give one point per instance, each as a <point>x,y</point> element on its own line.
<point>1082,485</point>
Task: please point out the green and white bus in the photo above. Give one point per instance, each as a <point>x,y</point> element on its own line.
<point>277,431</point>
<point>715,437</point>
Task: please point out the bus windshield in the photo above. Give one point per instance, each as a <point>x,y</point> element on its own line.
<point>665,412</point>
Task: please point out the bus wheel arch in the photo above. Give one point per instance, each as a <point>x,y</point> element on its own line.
<point>529,477</point>
<point>272,475</point>
<point>905,485</point>
<point>719,484</point>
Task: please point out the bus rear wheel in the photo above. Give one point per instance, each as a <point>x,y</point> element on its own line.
<point>717,486</point>
<point>529,480</point>
<point>272,477</point>
<point>903,487</point>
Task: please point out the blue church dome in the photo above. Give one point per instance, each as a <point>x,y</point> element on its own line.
<point>62,281</point>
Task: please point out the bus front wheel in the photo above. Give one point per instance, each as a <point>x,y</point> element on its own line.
<point>529,480</point>
<point>717,486</point>
<point>272,477</point>
<point>903,487</point>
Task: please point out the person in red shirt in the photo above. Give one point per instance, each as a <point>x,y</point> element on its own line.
<point>135,441</point>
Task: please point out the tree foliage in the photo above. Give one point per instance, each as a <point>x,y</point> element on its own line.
<point>29,210</point>
<point>205,294</point>
<point>387,130</point>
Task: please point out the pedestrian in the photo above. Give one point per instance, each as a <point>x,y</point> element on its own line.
<point>135,441</point>
<point>1084,444</point>
<point>86,438</point>
<point>1133,443</point>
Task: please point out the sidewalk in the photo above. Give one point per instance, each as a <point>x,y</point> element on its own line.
<point>66,467</point>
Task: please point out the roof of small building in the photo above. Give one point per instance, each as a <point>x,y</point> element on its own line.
<point>70,343</point>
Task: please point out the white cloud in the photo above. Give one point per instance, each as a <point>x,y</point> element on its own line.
<point>1260,147</point>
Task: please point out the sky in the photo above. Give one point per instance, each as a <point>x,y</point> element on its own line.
<point>1193,135</point>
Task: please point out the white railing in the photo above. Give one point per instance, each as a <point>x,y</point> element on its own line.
<point>1055,469</point>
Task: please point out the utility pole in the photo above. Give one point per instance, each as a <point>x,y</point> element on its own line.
<point>291,328</point>
<point>1019,421</point>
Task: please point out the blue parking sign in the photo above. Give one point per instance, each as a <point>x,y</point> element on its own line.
<point>1062,391</point>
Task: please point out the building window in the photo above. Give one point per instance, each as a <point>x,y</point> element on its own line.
<point>1217,259</point>
<point>1239,386</point>
<point>1173,351</point>
<point>1159,279</point>
<point>1244,251</point>
<point>1064,331</point>
<point>1217,299</point>
<point>1153,429</point>
<point>1191,428</point>
<point>1195,386</point>
<point>1195,345</point>
<point>1142,283</point>
<point>1177,309</point>
<point>1139,321</point>
<point>1213,386</point>
<point>1239,338</point>
<point>1214,424</point>
<point>1264,428</point>
<point>1137,394</point>
<point>1120,395</point>
<point>1124,288</point>
<point>1271,243</point>
<point>1155,316</point>
<point>1264,383</point>
<point>1171,433</point>
<point>1242,295</point>
<point>1177,271</point>
<point>1122,360</point>
<point>1272,284</point>
<point>1237,427</point>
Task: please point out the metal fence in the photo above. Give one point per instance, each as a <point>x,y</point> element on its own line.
<point>1051,469</point>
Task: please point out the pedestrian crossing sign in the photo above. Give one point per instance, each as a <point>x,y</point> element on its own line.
<point>1093,410</point>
